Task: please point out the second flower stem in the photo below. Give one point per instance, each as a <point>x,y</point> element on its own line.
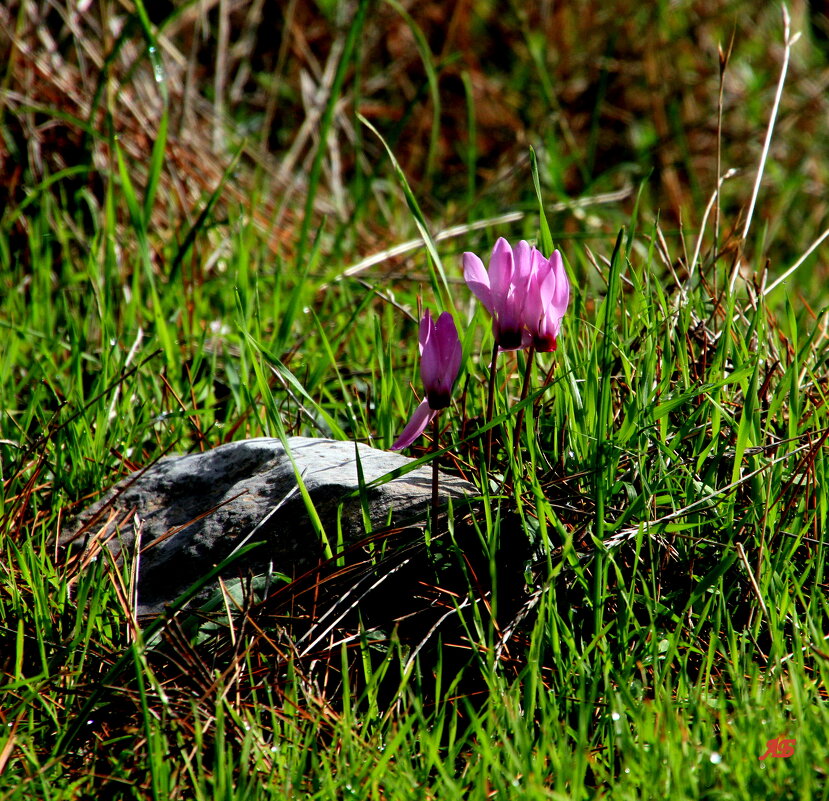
<point>490,405</point>
<point>435,472</point>
<point>528,373</point>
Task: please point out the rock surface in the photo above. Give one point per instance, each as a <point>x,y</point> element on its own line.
<point>193,511</point>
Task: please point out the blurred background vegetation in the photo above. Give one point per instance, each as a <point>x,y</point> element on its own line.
<point>612,96</point>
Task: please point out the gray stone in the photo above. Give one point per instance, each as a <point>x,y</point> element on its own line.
<point>193,511</point>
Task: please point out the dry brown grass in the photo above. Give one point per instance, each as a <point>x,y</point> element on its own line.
<point>608,91</point>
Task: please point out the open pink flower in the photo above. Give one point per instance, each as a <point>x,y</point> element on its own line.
<point>525,293</point>
<point>440,360</point>
<point>547,298</point>
<point>503,289</point>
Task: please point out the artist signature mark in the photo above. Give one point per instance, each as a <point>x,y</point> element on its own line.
<point>778,747</point>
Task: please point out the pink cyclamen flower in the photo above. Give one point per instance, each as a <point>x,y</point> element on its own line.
<point>440,360</point>
<point>503,289</point>
<point>548,296</point>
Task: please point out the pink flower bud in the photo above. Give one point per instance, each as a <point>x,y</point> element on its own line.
<point>440,360</point>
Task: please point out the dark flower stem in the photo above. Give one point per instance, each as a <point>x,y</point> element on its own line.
<point>490,405</point>
<point>528,373</point>
<point>547,381</point>
<point>435,472</point>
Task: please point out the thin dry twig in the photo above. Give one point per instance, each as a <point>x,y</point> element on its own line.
<point>455,231</point>
<point>788,42</point>
<point>812,248</point>
<point>754,586</point>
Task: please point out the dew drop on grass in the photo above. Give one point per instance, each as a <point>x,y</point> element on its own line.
<point>715,758</point>
<point>158,68</point>
<point>615,716</point>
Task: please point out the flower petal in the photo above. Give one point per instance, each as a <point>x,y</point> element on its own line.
<point>525,260</point>
<point>421,418</point>
<point>546,278</point>
<point>533,302</point>
<point>431,364</point>
<point>477,279</point>
<point>501,265</point>
<point>449,346</point>
<point>509,305</point>
<point>547,298</point>
<point>425,331</point>
<point>561,296</point>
